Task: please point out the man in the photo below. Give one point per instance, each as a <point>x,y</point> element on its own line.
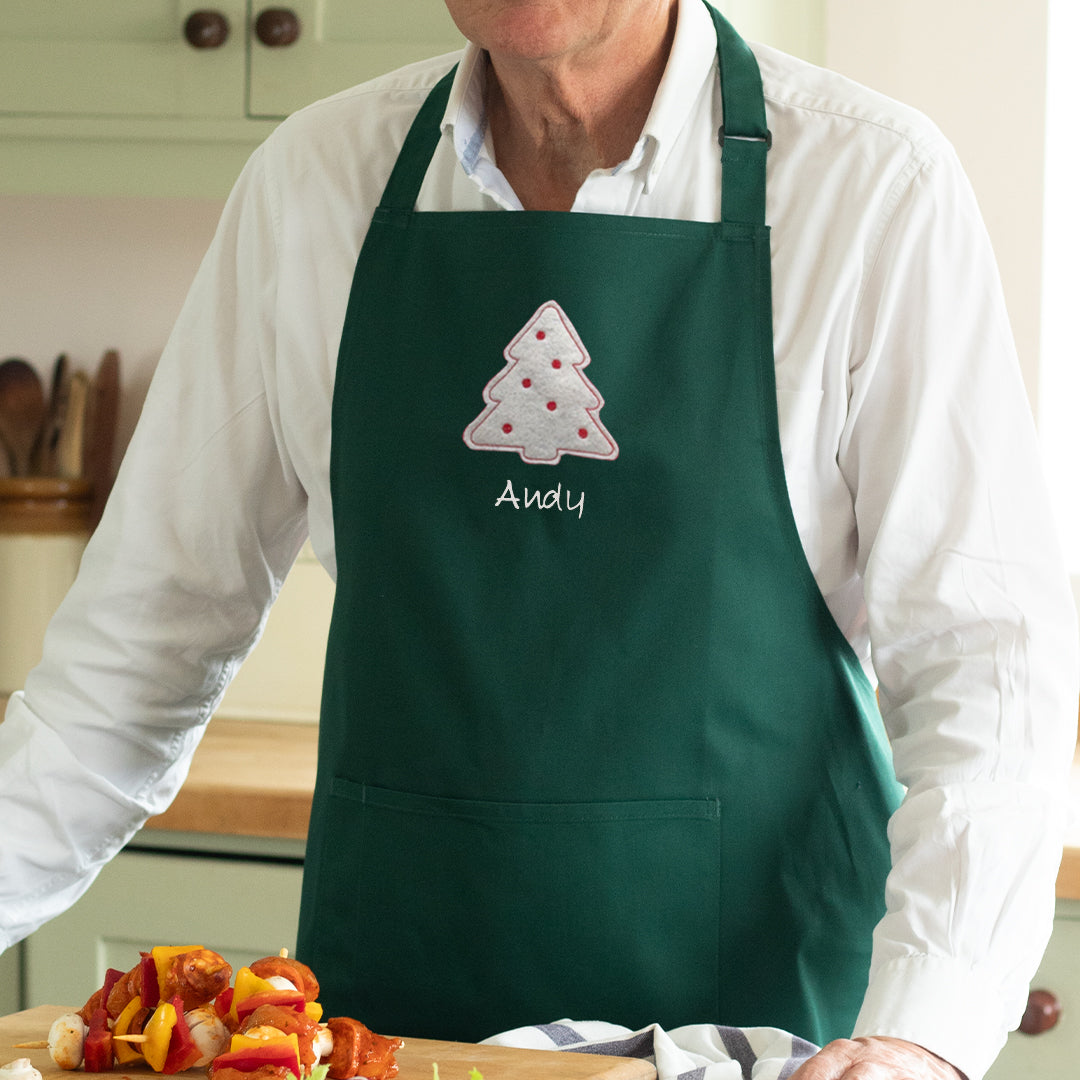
<point>597,735</point>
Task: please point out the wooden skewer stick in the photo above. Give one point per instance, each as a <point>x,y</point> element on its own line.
<point>131,1038</point>
<point>41,1044</point>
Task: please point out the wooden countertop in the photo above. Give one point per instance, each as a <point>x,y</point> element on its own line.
<point>248,777</point>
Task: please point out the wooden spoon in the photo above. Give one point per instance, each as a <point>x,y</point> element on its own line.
<point>54,417</point>
<point>100,432</point>
<point>22,412</point>
<point>69,446</point>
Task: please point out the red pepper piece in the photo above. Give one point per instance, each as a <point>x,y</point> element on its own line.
<point>249,1059</point>
<point>287,999</point>
<point>223,1002</point>
<point>150,994</point>
<point>183,1053</point>
<point>112,977</point>
<point>98,1048</point>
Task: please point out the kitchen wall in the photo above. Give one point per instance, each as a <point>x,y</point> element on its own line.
<point>82,275</point>
<point>1002,82</point>
<point>978,69</point>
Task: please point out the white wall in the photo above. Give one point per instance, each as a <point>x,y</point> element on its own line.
<point>978,69</point>
<point>794,26</point>
<point>82,275</point>
<point>1059,375</point>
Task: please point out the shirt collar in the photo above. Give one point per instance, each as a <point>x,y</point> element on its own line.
<point>690,65</point>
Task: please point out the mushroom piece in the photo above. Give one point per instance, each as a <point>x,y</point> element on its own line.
<point>19,1069</point>
<point>66,1038</point>
<point>208,1031</point>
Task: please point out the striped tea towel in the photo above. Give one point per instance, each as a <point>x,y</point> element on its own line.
<point>694,1052</point>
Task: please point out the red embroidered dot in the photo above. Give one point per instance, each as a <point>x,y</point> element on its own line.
<point>540,335</point>
<point>556,363</point>
<point>582,433</point>
<point>508,428</point>
<point>526,383</point>
<point>551,406</point>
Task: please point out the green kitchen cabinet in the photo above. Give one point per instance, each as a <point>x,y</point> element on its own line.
<point>350,42</point>
<point>244,906</point>
<point>1052,1054</point>
<point>111,96</point>
<point>10,980</point>
<point>117,58</point>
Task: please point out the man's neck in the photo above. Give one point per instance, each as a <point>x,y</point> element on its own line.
<point>555,121</point>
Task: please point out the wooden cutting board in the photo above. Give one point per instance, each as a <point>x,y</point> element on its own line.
<point>415,1058</point>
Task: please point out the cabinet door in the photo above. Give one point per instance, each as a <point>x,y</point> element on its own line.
<point>282,677</point>
<point>244,910</point>
<point>118,58</point>
<point>342,43</point>
<point>10,980</point>
<point>1052,1055</point>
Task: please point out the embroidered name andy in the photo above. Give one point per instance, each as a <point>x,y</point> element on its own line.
<point>552,499</point>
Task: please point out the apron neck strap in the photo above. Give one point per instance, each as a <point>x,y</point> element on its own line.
<point>744,137</point>
<point>412,163</point>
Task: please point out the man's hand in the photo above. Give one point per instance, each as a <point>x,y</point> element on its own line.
<point>875,1057</point>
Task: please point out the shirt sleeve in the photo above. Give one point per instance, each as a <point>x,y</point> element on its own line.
<point>972,628</point>
<point>205,519</point>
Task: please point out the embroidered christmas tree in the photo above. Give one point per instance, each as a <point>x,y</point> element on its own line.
<point>542,404</point>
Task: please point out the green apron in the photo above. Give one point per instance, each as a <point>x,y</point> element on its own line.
<point>591,744</point>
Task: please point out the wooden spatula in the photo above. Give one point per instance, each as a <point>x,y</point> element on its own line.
<point>100,434</point>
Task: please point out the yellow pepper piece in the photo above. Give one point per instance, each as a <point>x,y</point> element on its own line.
<point>313,1010</point>
<point>126,1052</point>
<point>158,1031</point>
<point>246,985</point>
<point>246,1042</point>
<point>163,954</point>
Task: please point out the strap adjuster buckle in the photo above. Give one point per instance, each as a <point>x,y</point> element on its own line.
<point>766,138</point>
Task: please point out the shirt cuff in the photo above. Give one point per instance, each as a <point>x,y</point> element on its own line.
<point>939,1004</point>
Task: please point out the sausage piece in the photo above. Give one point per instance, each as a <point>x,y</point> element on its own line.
<point>197,977</point>
<point>288,1021</point>
<point>358,1051</point>
<point>300,975</point>
<point>124,989</point>
<point>263,1072</point>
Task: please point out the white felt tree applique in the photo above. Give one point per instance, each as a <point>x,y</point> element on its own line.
<point>542,404</point>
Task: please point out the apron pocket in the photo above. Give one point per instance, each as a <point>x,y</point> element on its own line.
<point>477,916</point>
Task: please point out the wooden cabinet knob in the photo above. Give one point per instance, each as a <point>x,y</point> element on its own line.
<point>206,29</point>
<point>1042,1012</point>
<point>276,27</point>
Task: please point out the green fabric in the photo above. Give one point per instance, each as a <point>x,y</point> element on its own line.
<point>591,744</point>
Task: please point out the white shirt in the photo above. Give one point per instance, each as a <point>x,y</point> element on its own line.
<point>908,446</point>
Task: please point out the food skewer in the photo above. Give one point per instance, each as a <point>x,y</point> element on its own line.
<point>269,1021</point>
